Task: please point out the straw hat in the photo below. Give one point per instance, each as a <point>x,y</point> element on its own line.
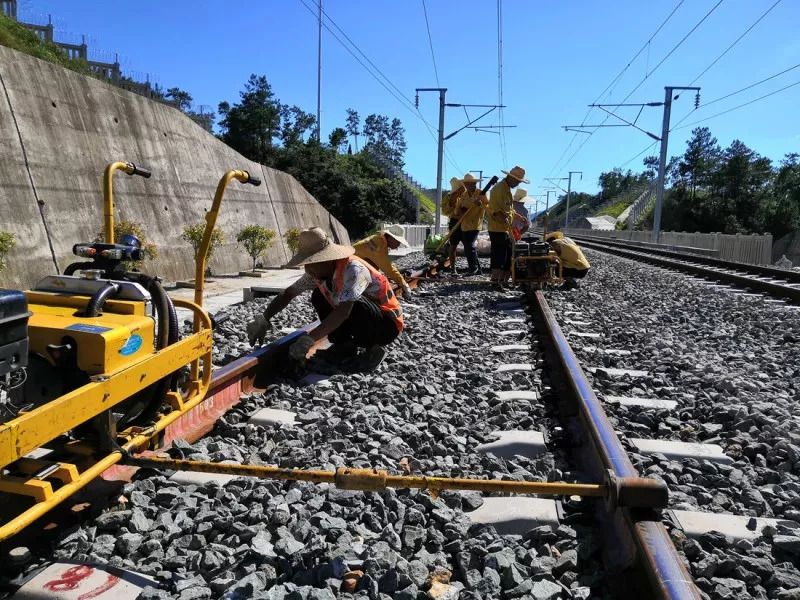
<point>470,178</point>
<point>519,194</point>
<point>554,235</point>
<point>517,173</point>
<point>455,183</point>
<point>397,231</point>
<point>315,247</point>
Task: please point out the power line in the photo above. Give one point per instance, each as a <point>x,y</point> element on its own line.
<point>617,78</point>
<point>430,43</point>
<point>724,112</point>
<point>630,160</point>
<point>647,75</point>
<point>739,91</point>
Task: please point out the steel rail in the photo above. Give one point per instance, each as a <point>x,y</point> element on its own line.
<point>778,290</point>
<point>759,270</point>
<point>635,537</point>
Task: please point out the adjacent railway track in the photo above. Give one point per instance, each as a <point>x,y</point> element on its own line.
<point>779,283</point>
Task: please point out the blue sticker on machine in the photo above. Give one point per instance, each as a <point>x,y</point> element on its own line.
<point>132,345</point>
<point>88,328</point>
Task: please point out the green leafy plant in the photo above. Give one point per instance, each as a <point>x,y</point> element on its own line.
<point>193,234</point>
<point>292,237</point>
<point>7,243</point>
<point>255,239</point>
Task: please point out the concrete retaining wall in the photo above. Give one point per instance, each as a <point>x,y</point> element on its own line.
<point>59,129</point>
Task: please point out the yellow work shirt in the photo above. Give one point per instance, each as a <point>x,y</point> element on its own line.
<point>500,200</point>
<point>450,203</point>
<point>375,250</point>
<point>473,206</point>
<point>570,254</point>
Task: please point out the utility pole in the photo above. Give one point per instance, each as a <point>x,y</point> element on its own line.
<point>319,74</point>
<point>440,153</point>
<point>662,161</point>
<point>569,191</point>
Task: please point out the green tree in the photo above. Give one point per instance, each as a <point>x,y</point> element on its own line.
<point>295,124</point>
<point>7,243</point>
<point>337,139</point>
<point>193,234</point>
<point>255,239</point>
<point>181,99</point>
<point>385,139</point>
<point>353,126</point>
<point>252,125</point>
<point>292,237</point>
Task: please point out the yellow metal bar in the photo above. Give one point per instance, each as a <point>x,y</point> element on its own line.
<point>65,473</point>
<point>211,221</point>
<point>34,429</point>
<point>376,480</point>
<point>108,196</point>
<point>201,321</point>
<point>40,491</point>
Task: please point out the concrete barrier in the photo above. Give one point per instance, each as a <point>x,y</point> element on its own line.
<point>59,129</point>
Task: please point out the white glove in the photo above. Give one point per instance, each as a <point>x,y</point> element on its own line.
<point>406,291</point>
<point>257,330</point>
<point>300,347</point>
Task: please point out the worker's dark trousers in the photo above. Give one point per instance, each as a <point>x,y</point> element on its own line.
<point>456,236</point>
<point>366,326</point>
<point>574,273</point>
<point>501,250</point>
<point>469,239</point>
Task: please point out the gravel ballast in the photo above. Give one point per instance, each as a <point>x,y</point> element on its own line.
<point>731,363</point>
<point>425,410</point>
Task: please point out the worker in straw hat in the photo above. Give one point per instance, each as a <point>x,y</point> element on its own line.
<point>375,250</point>
<point>451,209</point>
<point>501,214</point>
<point>471,205</point>
<point>574,265</point>
<point>357,309</point>
<point>521,222</point>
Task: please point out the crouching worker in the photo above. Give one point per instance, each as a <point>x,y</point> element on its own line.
<point>573,263</point>
<point>357,309</point>
<point>375,250</point>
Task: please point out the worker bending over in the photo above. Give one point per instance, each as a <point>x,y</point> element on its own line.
<point>375,250</point>
<point>357,308</point>
<point>501,213</point>
<point>573,263</point>
<point>450,209</point>
<point>471,206</point>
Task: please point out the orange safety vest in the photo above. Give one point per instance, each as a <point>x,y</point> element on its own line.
<point>386,300</point>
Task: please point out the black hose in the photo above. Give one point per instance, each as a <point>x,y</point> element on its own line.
<point>79,266</point>
<point>99,298</point>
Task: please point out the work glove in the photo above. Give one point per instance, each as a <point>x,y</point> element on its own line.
<point>406,292</point>
<point>257,330</point>
<point>300,347</point>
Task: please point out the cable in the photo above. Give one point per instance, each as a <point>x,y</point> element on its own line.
<point>739,91</point>
<point>724,112</point>
<point>630,160</point>
<point>430,43</point>
<point>661,62</point>
<point>502,137</point>
<point>618,76</point>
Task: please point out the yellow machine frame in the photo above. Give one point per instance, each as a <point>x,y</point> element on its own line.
<point>35,429</point>
<point>551,257</point>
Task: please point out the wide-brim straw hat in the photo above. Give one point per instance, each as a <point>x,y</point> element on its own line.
<point>517,173</point>
<point>470,178</point>
<point>455,183</point>
<point>397,231</point>
<point>520,194</point>
<point>314,246</point>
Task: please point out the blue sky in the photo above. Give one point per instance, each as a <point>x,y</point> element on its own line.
<point>558,56</point>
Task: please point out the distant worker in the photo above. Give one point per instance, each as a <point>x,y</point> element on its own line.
<point>354,301</point>
<point>450,209</point>
<point>501,212</point>
<point>472,207</point>
<point>573,263</point>
<point>375,250</point>
<point>521,221</point>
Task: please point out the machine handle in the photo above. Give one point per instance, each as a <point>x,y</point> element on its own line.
<point>492,181</point>
<point>252,180</point>
<point>139,171</point>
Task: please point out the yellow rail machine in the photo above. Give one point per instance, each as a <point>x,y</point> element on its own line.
<point>92,365</point>
<point>534,263</point>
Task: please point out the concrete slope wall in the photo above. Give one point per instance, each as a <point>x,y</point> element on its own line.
<point>59,129</point>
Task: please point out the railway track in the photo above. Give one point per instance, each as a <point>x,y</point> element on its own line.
<point>518,400</point>
<point>779,283</point>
